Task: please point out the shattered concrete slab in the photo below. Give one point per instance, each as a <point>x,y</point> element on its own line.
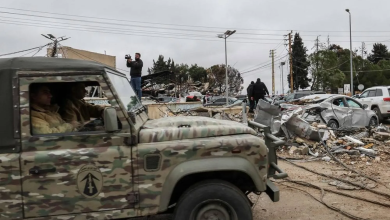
<point>266,114</point>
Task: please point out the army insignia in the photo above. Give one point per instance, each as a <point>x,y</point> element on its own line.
<point>89,181</point>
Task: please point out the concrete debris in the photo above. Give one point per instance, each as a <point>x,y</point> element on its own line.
<point>382,128</point>
<point>301,150</point>
<point>368,152</point>
<point>326,158</point>
<point>353,140</point>
<point>341,185</point>
<point>382,136</point>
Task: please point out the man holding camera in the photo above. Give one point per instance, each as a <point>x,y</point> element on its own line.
<point>135,73</point>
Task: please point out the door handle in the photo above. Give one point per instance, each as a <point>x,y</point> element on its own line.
<point>36,170</point>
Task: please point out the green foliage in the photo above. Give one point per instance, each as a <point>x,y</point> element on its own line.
<point>300,65</point>
<point>379,52</point>
<point>197,73</point>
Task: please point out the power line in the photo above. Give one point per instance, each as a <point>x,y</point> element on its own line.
<point>22,51</point>
<point>62,28</point>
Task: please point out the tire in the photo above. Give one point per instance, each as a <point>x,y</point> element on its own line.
<point>216,198</point>
<point>373,122</point>
<point>333,124</point>
<point>378,113</point>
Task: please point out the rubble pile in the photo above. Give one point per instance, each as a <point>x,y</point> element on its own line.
<point>305,133</point>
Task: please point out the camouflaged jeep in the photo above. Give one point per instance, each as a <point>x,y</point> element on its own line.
<point>124,165</point>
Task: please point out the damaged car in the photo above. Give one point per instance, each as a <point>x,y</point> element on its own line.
<point>342,111</point>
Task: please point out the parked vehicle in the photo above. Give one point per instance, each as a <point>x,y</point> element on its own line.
<point>124,165</point>
<point>377,99</point>
<point>343,111</point>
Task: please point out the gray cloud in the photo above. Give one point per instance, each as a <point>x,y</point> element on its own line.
<point>301,15</point>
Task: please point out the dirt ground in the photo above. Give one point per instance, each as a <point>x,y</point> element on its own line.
<point>295,204</point>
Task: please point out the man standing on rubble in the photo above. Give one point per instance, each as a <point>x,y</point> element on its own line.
<point>259,91</point>
<point>249,91</point>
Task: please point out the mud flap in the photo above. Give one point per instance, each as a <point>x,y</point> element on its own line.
<point>272,191</point>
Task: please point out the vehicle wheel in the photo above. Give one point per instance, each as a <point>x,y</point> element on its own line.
<point>211,200</point>
<point>373,122</point>
<point>333,124</point>
<point>378,113</point>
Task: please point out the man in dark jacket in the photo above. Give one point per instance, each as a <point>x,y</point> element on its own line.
<point>249,91</point>
<point>259,91</point>
<point>135,74</point>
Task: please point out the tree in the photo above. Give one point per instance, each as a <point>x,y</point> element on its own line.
<point>217,79</point>
<point>379,52</point>
<point>197,73</point>
<point>161,65</point>
<point>300,64</point>
<point>327,76</point>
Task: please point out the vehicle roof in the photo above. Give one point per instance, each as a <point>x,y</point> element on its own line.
<point>8,67</point>
<point>49,64</point>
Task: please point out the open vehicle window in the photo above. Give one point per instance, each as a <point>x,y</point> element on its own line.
<point>353,104</point>
<point>67,107</point>
<point>338,102</point>
<point>364,94</point>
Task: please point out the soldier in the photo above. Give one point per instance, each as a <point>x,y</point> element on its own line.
<point>259,91</point>
<point>249,91</point>
<point>76,109</point>
<point>45,118</point>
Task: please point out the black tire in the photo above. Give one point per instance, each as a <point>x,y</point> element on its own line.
<point>214,197</point>
<point>378,113</point>
<point>333,124</point>
<point>373,122</point>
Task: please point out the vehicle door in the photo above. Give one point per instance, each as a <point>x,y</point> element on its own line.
<point>378,99</point>
<point>364,98</point>
<point>359,115</point>
<point>341,112</point>
<point>81,172</point>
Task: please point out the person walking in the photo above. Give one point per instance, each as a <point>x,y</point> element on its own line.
<point>259,91</point>
<point>249,91</point>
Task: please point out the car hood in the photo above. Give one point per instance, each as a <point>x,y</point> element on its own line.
<point>189,127</point>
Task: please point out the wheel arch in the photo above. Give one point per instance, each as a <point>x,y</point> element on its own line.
<point>199,170</point>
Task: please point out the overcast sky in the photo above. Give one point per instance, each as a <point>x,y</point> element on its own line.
<point>260,27</point>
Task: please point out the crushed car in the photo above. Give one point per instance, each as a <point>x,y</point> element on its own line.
<point>343,111</point>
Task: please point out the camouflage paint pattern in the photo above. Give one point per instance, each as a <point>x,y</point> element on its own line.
<point>175,152</point>
<point>189,127</point>
<point>10,187</point>
<point>57,193</point>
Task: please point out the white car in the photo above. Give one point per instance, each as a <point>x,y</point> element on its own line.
<point>378,99</point>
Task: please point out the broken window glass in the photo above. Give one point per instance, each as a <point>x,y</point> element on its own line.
<point>353,104</point>
<point>338,102</point>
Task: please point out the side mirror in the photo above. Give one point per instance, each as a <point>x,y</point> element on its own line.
<point>110,120</point>
<point>365,106</point>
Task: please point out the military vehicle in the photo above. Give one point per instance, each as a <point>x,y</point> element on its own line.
<point>123,165</point>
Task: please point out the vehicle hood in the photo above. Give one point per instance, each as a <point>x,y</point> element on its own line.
<point>189,127</point>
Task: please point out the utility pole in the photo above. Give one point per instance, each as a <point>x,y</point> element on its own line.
<point>55,43</point>
<point>290,52</point>
<point>317,43</point>
<point>282,64</point>
<point>272,54</point>
<point>363,50</point>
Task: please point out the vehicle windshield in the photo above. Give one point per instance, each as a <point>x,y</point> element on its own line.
<point>125,93</point>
